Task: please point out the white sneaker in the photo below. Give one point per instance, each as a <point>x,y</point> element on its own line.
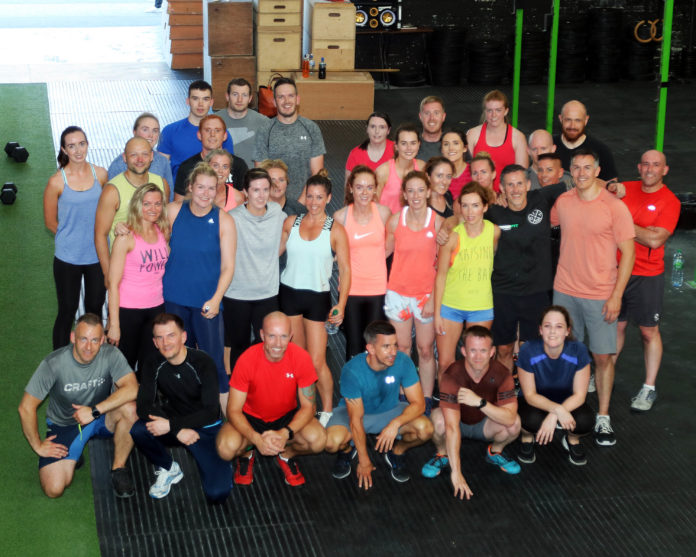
<point>324,418</point>
<point>644,400</point>
<point>165,479</point>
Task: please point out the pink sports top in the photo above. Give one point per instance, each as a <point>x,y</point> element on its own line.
<point>230,202</point>
<point>459,182</point>
<point>141,284</point>
<point>413,270</point>
<point>502,155</point>
<point>368,265</point>
<point>391,194</point>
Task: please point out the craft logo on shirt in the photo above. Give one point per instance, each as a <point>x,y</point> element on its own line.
<point>389,379</point>
<point>535,217</point>
<point>290,376</point>
<point>91,384</point>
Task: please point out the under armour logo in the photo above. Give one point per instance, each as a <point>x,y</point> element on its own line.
<point>290,375</point>
<point>389,379</point>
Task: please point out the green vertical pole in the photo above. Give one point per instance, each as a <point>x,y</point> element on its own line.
<point>516,71</point>
<point>551,95</point>
<point>664,74</point>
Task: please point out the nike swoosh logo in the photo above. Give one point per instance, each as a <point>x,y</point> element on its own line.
<point>360,236</point>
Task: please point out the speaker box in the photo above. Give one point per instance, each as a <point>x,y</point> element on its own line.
<point>377,15</point>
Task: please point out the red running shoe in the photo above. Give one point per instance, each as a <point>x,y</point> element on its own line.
<point>293,476</point>
<point>244,471</point>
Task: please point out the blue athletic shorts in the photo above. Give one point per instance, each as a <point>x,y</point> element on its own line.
<point>74,438</point>
<point>464,316</point>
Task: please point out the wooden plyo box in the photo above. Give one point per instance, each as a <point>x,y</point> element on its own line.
<point>338,55</point>
<point>278,47</point>
<point>225,68</point>
<point>333,20</point>
<point>230,28</point>
<point>341,96</point>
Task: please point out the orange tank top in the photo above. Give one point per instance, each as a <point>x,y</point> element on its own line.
<point>368,266</point>
<point>413,270</point>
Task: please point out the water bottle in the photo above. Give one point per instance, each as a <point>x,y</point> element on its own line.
<point>330,327</point>
<point>311,64</point>
<point>322,69</point>
<point>305,66</point>
<point>678,269</point>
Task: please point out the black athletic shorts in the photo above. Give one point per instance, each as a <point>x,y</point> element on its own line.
<point>509,310</point>
<point>259,426</point>
<point>309,304</point>
<point>642,300</point>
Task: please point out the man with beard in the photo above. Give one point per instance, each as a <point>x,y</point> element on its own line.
<point>212,134</point>
<point>574,118</point>
<point>117,193</point>
<point>432,116</point>
<point>292,138</point>
<point>242,122</point>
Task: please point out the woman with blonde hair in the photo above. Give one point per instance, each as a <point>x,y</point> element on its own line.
<point>136,268</point>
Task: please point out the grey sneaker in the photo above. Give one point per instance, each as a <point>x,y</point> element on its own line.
<point>603,432</point>
<point>644,400</point>
<point>165,479</point>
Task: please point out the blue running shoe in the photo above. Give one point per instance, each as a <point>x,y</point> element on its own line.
<point>434,466</point>
<point>506,464</point>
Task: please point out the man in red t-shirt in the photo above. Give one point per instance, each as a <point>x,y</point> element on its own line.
<point>267,381</point>
<point>477,401</point>
<point>655,211</point>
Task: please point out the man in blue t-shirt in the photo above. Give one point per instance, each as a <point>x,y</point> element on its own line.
<point>370,384</point>
<point>179,140</point>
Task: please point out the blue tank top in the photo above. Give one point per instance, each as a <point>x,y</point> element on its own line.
<point>309,263</point>
<point>193,268</point>
<point>76,213</point>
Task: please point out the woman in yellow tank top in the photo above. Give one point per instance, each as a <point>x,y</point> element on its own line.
<point>463,293</point>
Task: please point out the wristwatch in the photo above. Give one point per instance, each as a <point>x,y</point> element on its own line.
<point>482,403</point>
<point>291,433</point>
<point>95,413</point>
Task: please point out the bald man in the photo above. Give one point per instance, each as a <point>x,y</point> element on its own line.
<point>541,143</point>
<point>117,193</point>
<point>268,380</point>
<point>655,211</point>
<point>574,118</point>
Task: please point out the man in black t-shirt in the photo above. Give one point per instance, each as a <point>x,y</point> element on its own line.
<point>522,272</point>
<point>574,120</point>
<point>178,404</point>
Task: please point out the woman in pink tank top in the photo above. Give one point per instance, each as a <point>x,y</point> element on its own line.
<point>226,196</point>
<point>390,174</point>
<point>136,268</point>
<point>505,144</point>
<point>412,236</point>
<point>364,221</point>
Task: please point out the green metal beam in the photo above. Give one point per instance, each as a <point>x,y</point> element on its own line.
<point>551,94</point>
<point>664,74</point>
<point>518,62</point>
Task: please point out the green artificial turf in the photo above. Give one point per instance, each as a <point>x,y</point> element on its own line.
<point>30,523</point>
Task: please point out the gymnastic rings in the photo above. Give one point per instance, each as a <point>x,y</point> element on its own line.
<point>653,31</point>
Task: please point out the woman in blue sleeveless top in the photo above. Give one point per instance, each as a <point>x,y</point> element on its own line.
<point>70,204</point>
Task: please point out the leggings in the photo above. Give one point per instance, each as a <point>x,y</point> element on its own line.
<point>360,312</point>
<point>241,317</point>
<point>533,417</point>
<point>136,334</point>
<point>68,278</point>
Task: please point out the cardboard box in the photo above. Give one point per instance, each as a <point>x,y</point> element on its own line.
<point>333,20</point>
<point>229,27</point>
<point>219,70</point>
<point>341,96</point>
<point>278,48</point>
<point>338,55</point>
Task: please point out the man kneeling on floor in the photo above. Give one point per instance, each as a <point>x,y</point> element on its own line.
<point>477,401</point>
<point>370,384</point>
<point>83,404</point>
<point>267,381</point>
<point>178,404</point>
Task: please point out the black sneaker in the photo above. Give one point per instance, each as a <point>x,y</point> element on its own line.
<point>576,453</point>
<point>526,453</point>
<point>397,465</point>
<point>603,432</point>
<point>123,483</point>
<point>341,468</point>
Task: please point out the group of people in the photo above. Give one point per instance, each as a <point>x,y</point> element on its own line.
<point>219,294</point>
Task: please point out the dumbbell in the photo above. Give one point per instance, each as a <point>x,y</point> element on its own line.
<point>16,151</point>
<point>8,193</point>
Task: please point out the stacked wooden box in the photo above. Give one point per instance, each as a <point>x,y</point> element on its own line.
<point>278,37</point>
<point>333,34</point>
<point>183,34</point>
<point>228,46</point>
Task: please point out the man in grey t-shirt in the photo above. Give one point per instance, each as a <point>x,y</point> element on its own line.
<point>242,122</point>
<point>290,137</point>
<point>80,379</point>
